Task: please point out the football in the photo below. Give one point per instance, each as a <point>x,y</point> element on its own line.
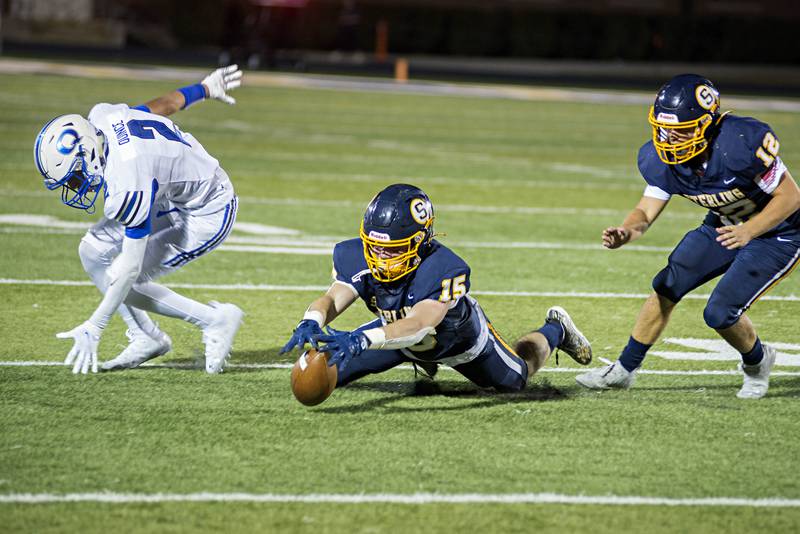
<point>312,380</point>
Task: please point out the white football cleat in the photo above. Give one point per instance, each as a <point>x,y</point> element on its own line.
<point>574,343</point>
<point>141,348</point>
<point>610,376</point>
<point>218,336</point>
<point>756,377</point>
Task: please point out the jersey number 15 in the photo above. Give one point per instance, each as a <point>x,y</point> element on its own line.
<point>453,288</point>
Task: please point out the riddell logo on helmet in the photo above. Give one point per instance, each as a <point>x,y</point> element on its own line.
<point>667,117</point>
<point>379,236</point>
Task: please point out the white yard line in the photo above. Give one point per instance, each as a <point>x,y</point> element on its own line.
<point>276,287</point>
<point>663,372</point>
<point>399,498</point>
<point>359,206</point>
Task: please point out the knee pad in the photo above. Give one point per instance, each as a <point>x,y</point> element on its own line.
<point>719,315</point>
<point>90,257</point>
<point>94,264</point>
<point>667,284</point>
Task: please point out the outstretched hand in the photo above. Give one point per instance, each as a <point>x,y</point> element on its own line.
<point>616,236</point>
<point>342,346</point>
<point>222,80</point>
<point>306,332</point>
<point>84,350</point>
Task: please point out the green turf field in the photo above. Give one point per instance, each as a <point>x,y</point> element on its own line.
<point>523,190</point>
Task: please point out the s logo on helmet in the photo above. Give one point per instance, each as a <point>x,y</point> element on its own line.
<point>421,210</point>
<point>707,97</point>
<point>62,146</point>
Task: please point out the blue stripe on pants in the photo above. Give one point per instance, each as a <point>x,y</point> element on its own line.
<point>217,239</point>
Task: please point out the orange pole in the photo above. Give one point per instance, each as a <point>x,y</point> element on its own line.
<point>381,40</point>
<point>401,70</point>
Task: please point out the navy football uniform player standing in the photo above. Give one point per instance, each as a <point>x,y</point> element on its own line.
<point>751,234</point>
<point>419,291</point>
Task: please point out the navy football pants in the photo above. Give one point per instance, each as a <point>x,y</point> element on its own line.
<point>496,367</point>
<point>748,272</point>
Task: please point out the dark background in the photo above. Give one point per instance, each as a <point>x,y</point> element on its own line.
<point>365,36</point>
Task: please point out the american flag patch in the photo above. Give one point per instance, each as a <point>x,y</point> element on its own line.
<point>769,181</point>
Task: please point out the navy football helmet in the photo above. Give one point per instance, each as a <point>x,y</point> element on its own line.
<point>396,231</point>
<point>685,109</point>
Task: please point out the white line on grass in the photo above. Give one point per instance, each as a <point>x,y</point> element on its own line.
<point>698,372</point>
<point>399,498</point>
<point>276,287</point>
<point>324,246</point>
<point>357,205</point>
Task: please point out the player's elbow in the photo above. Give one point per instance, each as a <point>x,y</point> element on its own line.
<point>420,325</point>
<point>795,202</point>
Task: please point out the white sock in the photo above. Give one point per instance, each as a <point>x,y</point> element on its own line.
<point>162,300</point>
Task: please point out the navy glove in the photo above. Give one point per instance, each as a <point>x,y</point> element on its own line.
<point>342,346</point>
<point>306,332</point>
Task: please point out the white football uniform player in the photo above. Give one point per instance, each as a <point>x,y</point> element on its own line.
<point>166,203</point>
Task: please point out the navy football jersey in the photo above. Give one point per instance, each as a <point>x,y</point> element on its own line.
<point>736,182</point>
<point>441,275</point>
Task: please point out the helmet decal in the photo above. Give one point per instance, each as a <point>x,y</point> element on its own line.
<point>420,210</point>
<point>707,97</point>
<point>380,236</point>
<point>668,117</point>
<point>62,147</point>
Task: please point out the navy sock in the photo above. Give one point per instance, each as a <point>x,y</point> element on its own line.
<point>755,355</point>
<point>554,333</point>
<point>633,354</point>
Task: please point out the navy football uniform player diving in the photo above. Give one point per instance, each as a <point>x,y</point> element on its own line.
<point>419,291</point>
<point>751,234</point>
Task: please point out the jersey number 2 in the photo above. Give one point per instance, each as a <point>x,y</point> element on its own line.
<point>147,129</point>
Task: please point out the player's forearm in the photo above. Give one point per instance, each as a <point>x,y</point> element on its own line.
<point>168,104</point>
<point>122,274</point>
<point>400,334</point>
<point>775,212</point>
<point>323,310</point>
<point>177,100</point>
<point>636,223</point>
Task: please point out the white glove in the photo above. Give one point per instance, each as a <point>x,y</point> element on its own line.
<point>219,82</point>
<point>84,351</point>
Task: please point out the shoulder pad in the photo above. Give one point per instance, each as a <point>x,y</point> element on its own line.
<point>749,146</point>
<point>348,261</point>
<point>103,109</point>
<point>654,171</point>
<point>442,275</point>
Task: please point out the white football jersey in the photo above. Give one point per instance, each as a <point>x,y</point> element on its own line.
<point>151,161</point>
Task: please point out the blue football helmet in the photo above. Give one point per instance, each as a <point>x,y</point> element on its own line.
<point>682,117</point>
<point>396,231</point>
<point>70,153</point>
